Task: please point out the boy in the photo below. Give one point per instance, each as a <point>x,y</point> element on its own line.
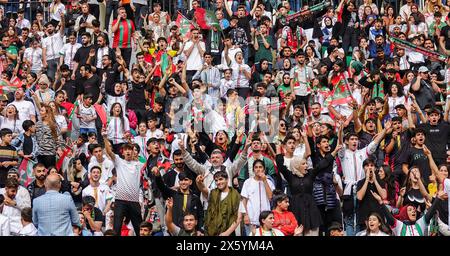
<point>26,143</point>
<point>8,155</point>
<point>142,138</point>
<point>87,115</point>
<point>153,132</point>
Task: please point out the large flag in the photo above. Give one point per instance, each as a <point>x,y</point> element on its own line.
<point>6,87</point>
<point>72,114</point>
<point>340,95</point>
<point>26,172</point>
<point>185,26</point>
<point>61,159</point>
<point>200,18</point>
<point>101,113</point>
<point>212,20</point>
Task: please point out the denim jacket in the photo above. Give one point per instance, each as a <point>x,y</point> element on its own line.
<point>18,144</point>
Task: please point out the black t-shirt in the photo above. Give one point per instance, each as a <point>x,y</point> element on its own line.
<point>416,157</point>
<point>244,23</point>
<point>97,216</point>
<point>369,204</point>
<point>424,95</point>
<point>445,32</point>
<point>136,97</point>
<point>92,86</point>
<point>82,55</point>
<point>27,145</point>
<point>400,151</point>
<point>112,77</point>
<point>72,90</point>
<point>437,137</point>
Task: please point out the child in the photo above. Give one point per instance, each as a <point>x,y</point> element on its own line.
<point>87,115</point>
<point>9,157</point>
<point>118,127</point>
<point>80,146</point>
<point>28,228</point>
<point>118,96</point>
<point>226,83</point>
<point>142,139</point>
<point>153,131</point>
<point>26,143</point>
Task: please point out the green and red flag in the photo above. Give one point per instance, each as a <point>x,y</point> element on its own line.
<point>185,26</point>
<point>200,18</point>
<point>26,172</point>
<point>72,114</point>
<point>340,95</point>
<point>60,162</point>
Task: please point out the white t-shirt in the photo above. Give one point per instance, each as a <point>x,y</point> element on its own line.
<point>116,129</point>
<point>261,232</point>
<point>53,44</point>
<point>61,122</point>
<point>103,194</point>
<point>155,134</point>
<point>14,125</point>
<point>26,109</point>
<point>87,112</point>
<point>142,142</point>
<point>238,77</point>
<point>128,179</point>
<point>107,167</point>
<point>194,61</point>
<point>28,230</point>
<point>258,201</point>
<point>34,56</point>
<point>68,51</point>
<point>231,53</point>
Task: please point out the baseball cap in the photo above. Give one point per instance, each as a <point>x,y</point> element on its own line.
<point>13,171</point>
<point>434,110</point>
<point>423,69</point>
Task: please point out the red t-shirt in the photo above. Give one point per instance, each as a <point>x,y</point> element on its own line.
<point>124,35</point>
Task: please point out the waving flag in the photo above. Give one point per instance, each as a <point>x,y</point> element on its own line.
<point>72,114</point>
<point>26,172</point>
<point>200,18</point>
<point>340,95</point>
<point>212,20</point>
<point>185,26</point>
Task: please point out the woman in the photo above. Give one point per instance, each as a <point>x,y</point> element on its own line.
<point>311,58</point>
<point>300,182</point>
<point>11,120</point>
<point>263,67</point>
<point>65,184</point>
<point>391,186</point>
<point>395,97</point>
<point>350,24</point>
<point>266,220</point>
<point>367,4</point>
<point>407,222</point>
<point>282,130</point>
<point>388,17</point>
<point>414,193</point>
<point>77,175</point>
<point>284,86</point>
<point>375,226</point>
<point>407,81</point>
<point>287,65</point>
<point>415,25</point>
<point>284,219</point>
<point>59,118</point>
<point>363,46</point>
<point>48,137</point>
<point>327,31</point>
<point>118,127</point>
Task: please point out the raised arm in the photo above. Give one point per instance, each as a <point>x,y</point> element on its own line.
<point>108,147</point>
<point>169,217</point>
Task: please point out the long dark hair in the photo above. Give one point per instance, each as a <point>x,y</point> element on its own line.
<point>383,226</point>
<point>389,179</point>
<point>122,119</point>
<point>263,215</point>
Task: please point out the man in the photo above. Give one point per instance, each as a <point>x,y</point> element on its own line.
<point>51,45</point>
<point>247,170</point>
<point>210,76</point>
<point>37,187</point>
<point>366,202</point>
<point>183,199</point>
<point>317,116</point>
<point>92,215</point>
<point>379,43</point>
<point>71,87</point>
<point>297,116</point>
<point>54,214</point>
<point>101,193</point>
<point>301,76</point>
<point>423,89</point>
<point>22,195</point>
<point>444,38</point>
<point>215,164</point>
<point>84,22</point>
<point>9,50</point>
<point>437,134</point>
<point>145,229</point>
<point>83,55</point>
<point>21,21</point>
<point>189,222</point>
<point>91,83</point>
<point>102,49</point>
<point>123,29</point>
<point>126,204</point>
<point>417,157</point>
<point>13,204</point>
<point>112,71</point>
<point>171,178</point>
<point>194,50</point>
<point>8,156</point>
<point>137,97</point>
<point>351,159</point>
<point>99,159</point>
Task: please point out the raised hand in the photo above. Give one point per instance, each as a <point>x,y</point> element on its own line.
<point>169,202</point>
<point>377,197</point>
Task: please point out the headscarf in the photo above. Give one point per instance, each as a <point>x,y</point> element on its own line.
<point>403,213</point>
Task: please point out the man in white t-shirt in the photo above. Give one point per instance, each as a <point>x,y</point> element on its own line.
<point>33,55</point>
<point>229,53</point>
<point>4,221</point>
<point>68,51</point>
<point>194,50</point>
<point>126,201</point>
<point>98,159</point>
<point>100,192</point>
<point>26,108</point>
<point>51,45</point>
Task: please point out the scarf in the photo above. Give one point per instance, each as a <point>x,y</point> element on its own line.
<point>221,214</point>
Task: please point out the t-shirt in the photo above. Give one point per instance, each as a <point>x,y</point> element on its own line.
<point>255,192</point>
<point>123,35</point>
<point>112,76</point>
<point>195,60</point>
<point>128,179</point>
<point>7,153</point>
<point>263,52</point>
<point>369,203</point>
<point>27,145</point>
<point>92,86</point>
<point>136,97</point>
<point>25,108</point>
<point>418,158</point>
<point>436,139</point>
<point>97,215</point>
<point>87,112</point>
<point>82,55</point>
<point>53,44</point>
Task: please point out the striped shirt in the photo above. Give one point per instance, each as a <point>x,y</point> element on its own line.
<point>123,36</point>
<point>7,153</point>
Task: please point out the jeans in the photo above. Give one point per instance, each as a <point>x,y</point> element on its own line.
<point>111,8</point>
<point>137,18</point>
<point>130,210</point>
<point>52,67</point>
<point>87,130</point>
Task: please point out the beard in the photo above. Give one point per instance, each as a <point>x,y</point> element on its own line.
<point>180,166</point>
<point>42,177</point>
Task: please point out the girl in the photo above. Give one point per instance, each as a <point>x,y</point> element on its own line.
<point>375,226</point>
<point>388,17</point>
<point>311,58</point>
<point>119,96</point>
<point>48,137</point>
<point>59,118</point>
<point>11,120</point>
<point>284,220</point>
<point>392,188</point>
<point>77,175</point>
<point>395,97</point>
<point>142,139</point>
<point>414,193</point>
<point>118,127</point>
<point>266,220</point>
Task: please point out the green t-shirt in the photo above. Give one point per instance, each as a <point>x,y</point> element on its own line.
<point>12,50</point>
<point>263,52</point>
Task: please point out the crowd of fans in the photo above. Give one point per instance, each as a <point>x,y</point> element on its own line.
<point>273,118</point>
